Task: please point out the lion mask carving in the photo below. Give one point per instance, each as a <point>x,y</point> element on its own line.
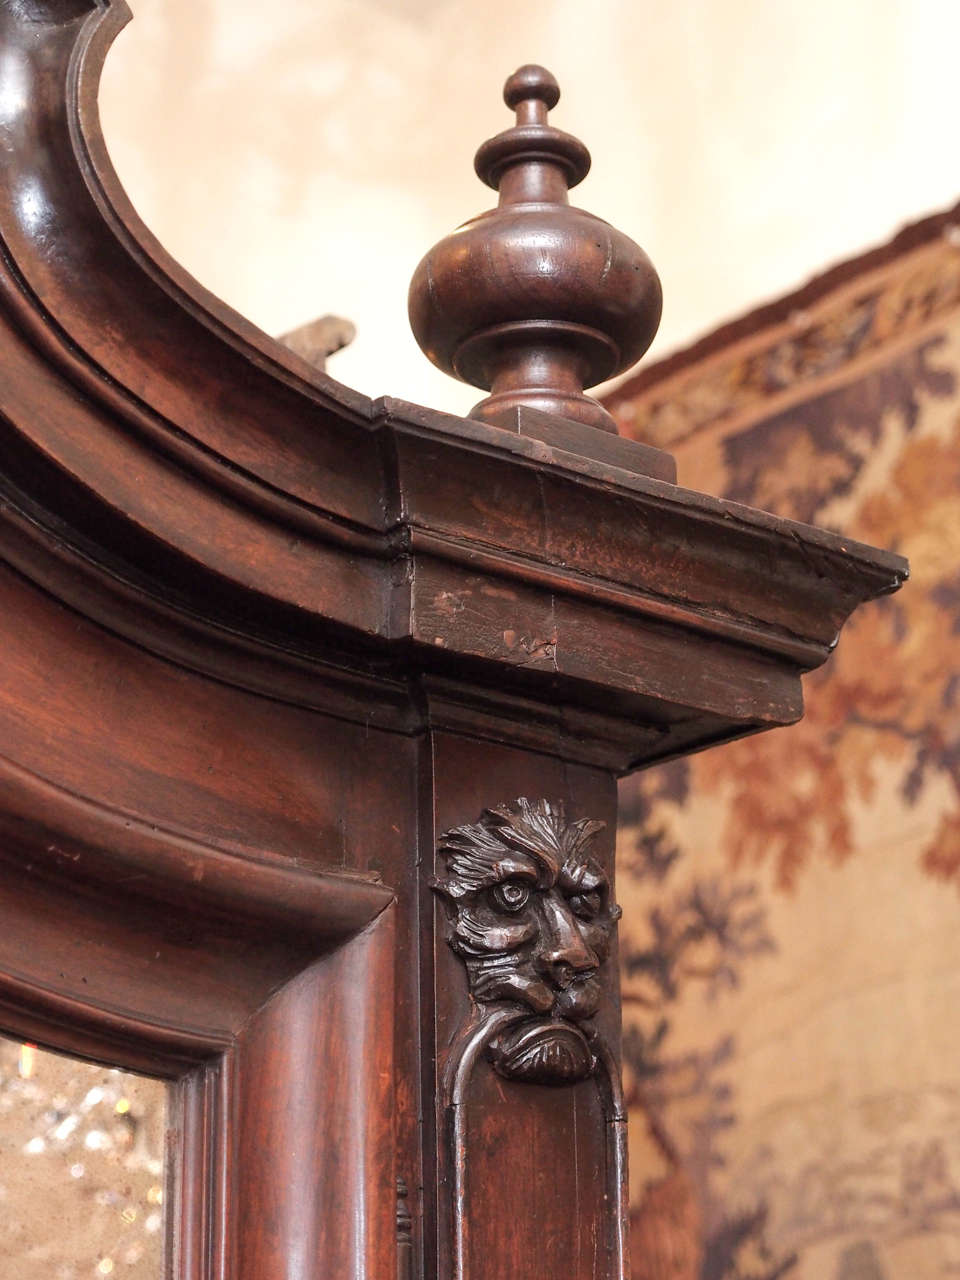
<point>531,915</point>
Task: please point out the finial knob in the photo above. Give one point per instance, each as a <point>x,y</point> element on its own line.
<point>535,300</point>
<point>531,81</point>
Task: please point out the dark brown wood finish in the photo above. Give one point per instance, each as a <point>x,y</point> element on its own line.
<point>265,646</point>
<point>535,300</point>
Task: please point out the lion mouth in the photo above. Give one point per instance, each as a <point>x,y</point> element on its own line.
<point>543,1052</point>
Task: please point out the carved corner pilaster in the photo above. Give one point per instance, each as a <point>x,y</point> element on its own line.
<point>530,912</point>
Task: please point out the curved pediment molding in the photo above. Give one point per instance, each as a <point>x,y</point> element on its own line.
<point>178,476</point>
<point>98,279</point>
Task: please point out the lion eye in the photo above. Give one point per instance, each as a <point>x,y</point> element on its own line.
<point>511,895</point>
<point>586,905</point>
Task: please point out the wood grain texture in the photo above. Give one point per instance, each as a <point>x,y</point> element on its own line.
<point>496,1143</point>
<point>250,984</point>
<point>232,504</point>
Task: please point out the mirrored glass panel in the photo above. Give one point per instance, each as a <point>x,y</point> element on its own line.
<point>81,1169</point>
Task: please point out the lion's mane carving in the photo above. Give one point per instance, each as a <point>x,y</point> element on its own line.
<point>531,915</point>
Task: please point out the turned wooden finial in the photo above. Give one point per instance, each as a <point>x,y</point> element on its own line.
<point>535,300</point>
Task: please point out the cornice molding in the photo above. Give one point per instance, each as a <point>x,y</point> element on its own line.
<point>183,479</point>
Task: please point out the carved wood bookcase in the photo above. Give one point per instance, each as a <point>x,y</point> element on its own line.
<point>312,710</point>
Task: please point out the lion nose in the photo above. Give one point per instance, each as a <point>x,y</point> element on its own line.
<point>564,947</point>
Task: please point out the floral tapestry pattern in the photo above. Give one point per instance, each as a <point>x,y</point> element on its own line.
<point>790,949</point>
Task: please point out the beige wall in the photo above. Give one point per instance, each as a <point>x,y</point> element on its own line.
<point>299,156</point>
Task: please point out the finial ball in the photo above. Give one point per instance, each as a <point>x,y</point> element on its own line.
<point>535,300</point>
<point>531,81</point>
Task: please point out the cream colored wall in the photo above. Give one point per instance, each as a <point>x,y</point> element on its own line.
<point>299,156</point>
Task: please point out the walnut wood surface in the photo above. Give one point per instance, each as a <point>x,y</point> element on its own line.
<point>262,643</point>
<point>535,300</point>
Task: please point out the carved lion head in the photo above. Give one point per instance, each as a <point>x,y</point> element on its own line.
<point>531,915</point>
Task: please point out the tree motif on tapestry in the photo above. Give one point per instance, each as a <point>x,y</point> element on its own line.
<point>877,755</point>
<point>699,933</point>
<point>885,714</point>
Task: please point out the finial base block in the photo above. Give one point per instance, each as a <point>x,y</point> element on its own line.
<point>581,439</point>
<point>502,407</point>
